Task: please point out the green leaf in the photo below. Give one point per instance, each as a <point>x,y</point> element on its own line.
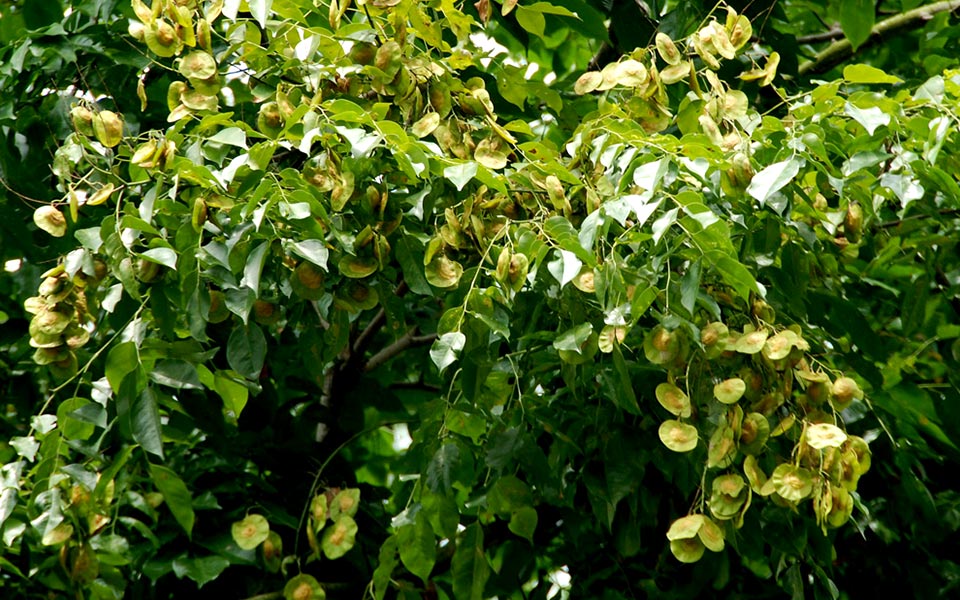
<point>734,273</point>
<point>441,470</point>
<point>254,267</point>
<point>461,174</point>
<point>410,255</point>
<point>246,350</point>
<point>867,74</point>
<point>176,373</point>
<point>523,522</point>
<point>260,9</point>
<point>121,360</point>
<point>233,393</point>
<point>175,494</point>
<point>573,338</point>
<point>508,495</point>
<point>563,233</point>
<point>145,422</point>
<point>531,20</point>
<point>70,427</point>
<point>870,118</point>
<point>772,179</point>
<point>201,570</point>
<point>690,287</point>
<point>161,256</point>
<point>446,348</point>
<point>418,548</point>
<point>469,567</point>
<point>387,562</point>
<point>313,250</point>
<point>626,398</point>
<point>856,20</point>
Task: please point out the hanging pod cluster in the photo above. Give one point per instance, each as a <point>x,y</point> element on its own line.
<point>716,110</point>
<point>765,424</point>
<point>62,319</point>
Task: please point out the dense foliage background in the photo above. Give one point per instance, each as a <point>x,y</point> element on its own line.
<point>450,300</point>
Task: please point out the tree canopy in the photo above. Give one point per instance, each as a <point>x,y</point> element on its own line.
<point>402,299</point>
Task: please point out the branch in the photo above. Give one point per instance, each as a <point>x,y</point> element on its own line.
<point>943,212</point>
<point>376,323</point>
<point>363,340</point>
<point>267,596</point>
<point>834,33</point>
<point>840,50</point>
<point>405,341</point>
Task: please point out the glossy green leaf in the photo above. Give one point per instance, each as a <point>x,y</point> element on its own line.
<point>175,494</point>
<point>418,548</point>
<point>247,350</point>
<point>772,179</point>
<point>861,73</point>
<point>446,348</point>
<point>121,360</point>
<point>145,422</point>
<point>469,568</point>
<point>856,20</point>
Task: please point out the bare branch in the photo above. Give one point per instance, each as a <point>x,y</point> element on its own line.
<point>840,50</point>
<point>366,336</point>
<point>834,33</point>
<point>407,340</point>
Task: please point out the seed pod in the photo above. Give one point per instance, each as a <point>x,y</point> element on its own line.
<point>270,121</point>
<point>853,221</point>
<point>147,271</point>
<point>218,311</point>
<point>162,38</point>
<point>143,156</point>
<point>82,119</point>
<point>203,35</point>
<point>265,313</point>
<point>198,216</point>
<point>51,220</point>
<point>667,49</point>
<point>108,128</point>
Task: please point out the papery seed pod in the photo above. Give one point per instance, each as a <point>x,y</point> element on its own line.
<point>853,221</point>
<point>82,119</point>
<point>108,128</point>
<point>162,38</point>
<point>203,35</point>
<point>143,155</point>
<point>667,49</point>
<point>198,215</point>
<point>270,120</point>
<point>51,220</point>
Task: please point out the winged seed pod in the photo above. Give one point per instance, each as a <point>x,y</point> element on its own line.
<point>667,49</point>
<point>108,128</point>
<point>51,220</point>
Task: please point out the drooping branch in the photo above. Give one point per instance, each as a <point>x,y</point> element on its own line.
<point>840,50</point>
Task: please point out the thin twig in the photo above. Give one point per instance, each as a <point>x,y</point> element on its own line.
<point>405,341</point>
<point>896,223</point>
<point>834,33</point>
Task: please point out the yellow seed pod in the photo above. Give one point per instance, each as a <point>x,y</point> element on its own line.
<point>108,128</point>
<point>667,49</point>
<point>198,216</point>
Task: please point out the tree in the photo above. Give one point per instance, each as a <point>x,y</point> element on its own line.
<point>410,299</point>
